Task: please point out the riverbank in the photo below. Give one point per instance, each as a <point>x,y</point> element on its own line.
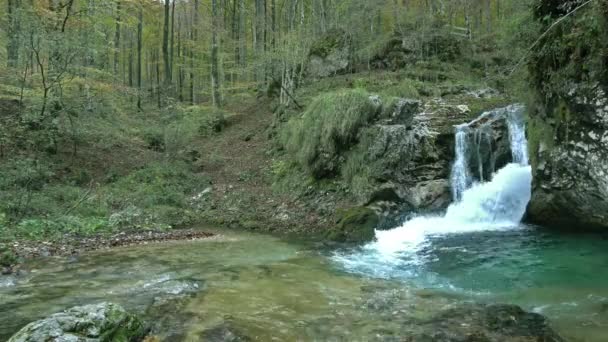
<point>74,245</point>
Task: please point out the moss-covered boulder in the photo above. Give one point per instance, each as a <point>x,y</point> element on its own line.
<point>330,55</point>
<point>329,127</point>
<point>104,322</point>
<point>568,124</point>
<point>354,225</point>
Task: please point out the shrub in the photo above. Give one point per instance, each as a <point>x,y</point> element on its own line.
<point>327,128</point>
<point>7,257</point>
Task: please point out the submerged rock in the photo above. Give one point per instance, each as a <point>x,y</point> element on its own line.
<point>104,322</point>
<point>483,323</point>
<point>355,225</point>
<point>224,332</point>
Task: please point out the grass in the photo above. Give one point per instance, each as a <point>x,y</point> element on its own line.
<point>328,127</point>
<point>100,165</point>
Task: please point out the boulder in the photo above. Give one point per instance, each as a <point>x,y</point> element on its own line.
<point>104,322</point>
<point>354,225</point>
<point>482,323</point>
<point>224,332</point>
<point>330,55</point>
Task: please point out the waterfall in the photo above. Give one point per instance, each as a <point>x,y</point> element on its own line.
<point>471,138</point>
<point>460,173</point>
<point>498,203</point>
<point>517,134</point>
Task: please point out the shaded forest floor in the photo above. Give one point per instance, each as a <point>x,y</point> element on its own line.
<point>241,164</point>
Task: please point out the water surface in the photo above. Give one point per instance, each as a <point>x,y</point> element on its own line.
<point>271,289</point>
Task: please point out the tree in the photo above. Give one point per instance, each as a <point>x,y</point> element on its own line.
<point>14,30</point>
<point>117,39</point>
<point>140,32</point>
<point>166,58</point>
<point>215,74</point>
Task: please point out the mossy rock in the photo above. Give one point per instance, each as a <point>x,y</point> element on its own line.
<point>355,225</point>
<point>104,322</point>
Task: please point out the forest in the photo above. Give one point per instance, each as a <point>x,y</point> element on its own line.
<point>303,170</point>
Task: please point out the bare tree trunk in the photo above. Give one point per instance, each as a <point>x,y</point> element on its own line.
<point>180,68</point>
<point>166,61</point>
<point>242,34</point>
<point>117,38</point>
<point>172,51</point>
<point>158,84</point>
<point>130,61</point>
<point>194,41</point>
<point>140,29</point>
<point>14,28</point>
<point>215,74</point>
<point>488,4</point>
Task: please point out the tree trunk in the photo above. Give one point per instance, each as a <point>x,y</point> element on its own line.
<point>242,34</point>
<point>14,28</point>
<point>140,29</point>
<point>167,81</point>
<point>215,74</point>
<point>117,39</point>
<point>172,51</point>
<point>130,66</point>
<point>194,41</point>
<point>180,69</point>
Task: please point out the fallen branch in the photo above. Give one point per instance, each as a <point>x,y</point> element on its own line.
<point>82,199</point>
<point>287,92</point>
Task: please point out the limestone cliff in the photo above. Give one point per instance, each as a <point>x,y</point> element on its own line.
<point>568,123</point>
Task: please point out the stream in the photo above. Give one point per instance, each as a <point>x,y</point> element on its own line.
<point>273,289</point>
<point>285,290</point>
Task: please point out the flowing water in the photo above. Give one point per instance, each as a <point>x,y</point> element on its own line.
<point>272,289</point>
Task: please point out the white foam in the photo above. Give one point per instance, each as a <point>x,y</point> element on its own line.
<point>496,205</point>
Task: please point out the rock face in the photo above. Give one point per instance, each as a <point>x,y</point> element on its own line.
<point>404,49</point>
<point>567,127</point>
<point>105,322</point>
<point>412,151</point>
<point>571,162</point>
<point>330,55</point>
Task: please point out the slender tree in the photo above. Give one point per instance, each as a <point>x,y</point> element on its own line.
<point>140,30</point>
<point>165,48</point>
<point>117,38</point>
<point>215,74</point>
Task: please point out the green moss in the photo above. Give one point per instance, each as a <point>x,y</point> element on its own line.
<point>540,133</point>
<point>333,39</point>
<point>354,225</point>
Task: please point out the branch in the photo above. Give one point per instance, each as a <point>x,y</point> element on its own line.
<point>287,92</point>
<point>525,56</point>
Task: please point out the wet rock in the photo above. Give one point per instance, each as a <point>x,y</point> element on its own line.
<point>570,161</point>
<point>104,322</point>
<point>433,195</point>
<point>355,225</point>
<point>568,126</point>
<point>482,323</point>
<point>224,332</point>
